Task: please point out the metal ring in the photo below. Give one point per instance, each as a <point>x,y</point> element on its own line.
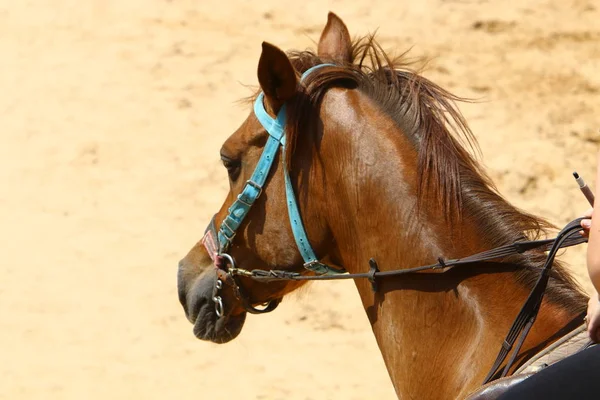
<point>218,306</point>
<point>219,284</point>
<point>229,258</point>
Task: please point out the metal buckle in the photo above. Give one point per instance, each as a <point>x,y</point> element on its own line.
<point>239,198</point>
<point>311,264</point>
<point>255,185</point>
<point>328,270</point>
<point>229,238</point>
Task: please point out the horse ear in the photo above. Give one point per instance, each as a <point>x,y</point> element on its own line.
<point>335,42</point>
<point>276,76</point>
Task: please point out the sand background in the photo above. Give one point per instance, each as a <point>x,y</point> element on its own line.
<point>111,117</point>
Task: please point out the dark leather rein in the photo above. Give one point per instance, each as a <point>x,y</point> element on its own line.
<point>568,236</point>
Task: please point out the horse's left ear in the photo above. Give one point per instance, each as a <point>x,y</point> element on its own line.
<point>276,76</point>
<point>335,43</point>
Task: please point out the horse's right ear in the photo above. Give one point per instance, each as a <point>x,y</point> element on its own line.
<point>335,42</point>
<point>276,76</point>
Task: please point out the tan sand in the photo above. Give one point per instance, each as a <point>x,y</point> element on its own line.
<point>111,117</point>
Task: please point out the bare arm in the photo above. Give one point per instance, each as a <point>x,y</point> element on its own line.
<point>593,252</point>
<point>592,229</point>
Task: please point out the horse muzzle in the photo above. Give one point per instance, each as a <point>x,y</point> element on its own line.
<point>196,288</point>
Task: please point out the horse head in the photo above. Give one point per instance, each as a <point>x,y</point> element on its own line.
<point>263,239</point>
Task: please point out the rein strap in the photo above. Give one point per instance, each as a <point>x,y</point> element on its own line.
<point>526,317</point>
<point>488,255</point>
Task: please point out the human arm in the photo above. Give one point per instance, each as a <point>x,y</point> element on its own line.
<point>593,252</point>
<point>592,230</point>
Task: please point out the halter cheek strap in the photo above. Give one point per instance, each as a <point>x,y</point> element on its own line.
<point>253,187</point>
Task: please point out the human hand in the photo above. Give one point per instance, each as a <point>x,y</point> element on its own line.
<point>593,318</point>
<point>586,223</point>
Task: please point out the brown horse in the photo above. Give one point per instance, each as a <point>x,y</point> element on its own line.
<point>376,159</point>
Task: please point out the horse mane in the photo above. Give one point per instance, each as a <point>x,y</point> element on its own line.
<point>428,115</point>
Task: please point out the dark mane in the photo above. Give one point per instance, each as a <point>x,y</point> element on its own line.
<point>428,115</point>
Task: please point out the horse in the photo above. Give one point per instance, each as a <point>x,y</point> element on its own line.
<point>380,159</point>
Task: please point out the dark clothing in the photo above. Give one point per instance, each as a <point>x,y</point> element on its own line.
<point>576,377</point>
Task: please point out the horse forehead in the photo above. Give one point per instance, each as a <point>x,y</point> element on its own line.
<point>346,106</point>
<point>248,133</point>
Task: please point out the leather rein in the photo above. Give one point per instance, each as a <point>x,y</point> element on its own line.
<point>217,242</point>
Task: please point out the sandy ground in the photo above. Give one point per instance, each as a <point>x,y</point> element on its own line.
<point>112,114</point>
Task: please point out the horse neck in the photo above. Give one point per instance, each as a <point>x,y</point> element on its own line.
<point>438,333</point>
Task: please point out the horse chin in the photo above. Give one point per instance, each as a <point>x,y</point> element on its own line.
<point>200,310</point>
<point>218,330</point>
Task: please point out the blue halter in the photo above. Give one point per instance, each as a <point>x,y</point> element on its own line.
<point>253,188</point>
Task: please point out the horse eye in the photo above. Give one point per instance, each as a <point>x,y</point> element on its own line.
<point>232,166</point>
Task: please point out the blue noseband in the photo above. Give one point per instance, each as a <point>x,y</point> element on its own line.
<point>253,187</point>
